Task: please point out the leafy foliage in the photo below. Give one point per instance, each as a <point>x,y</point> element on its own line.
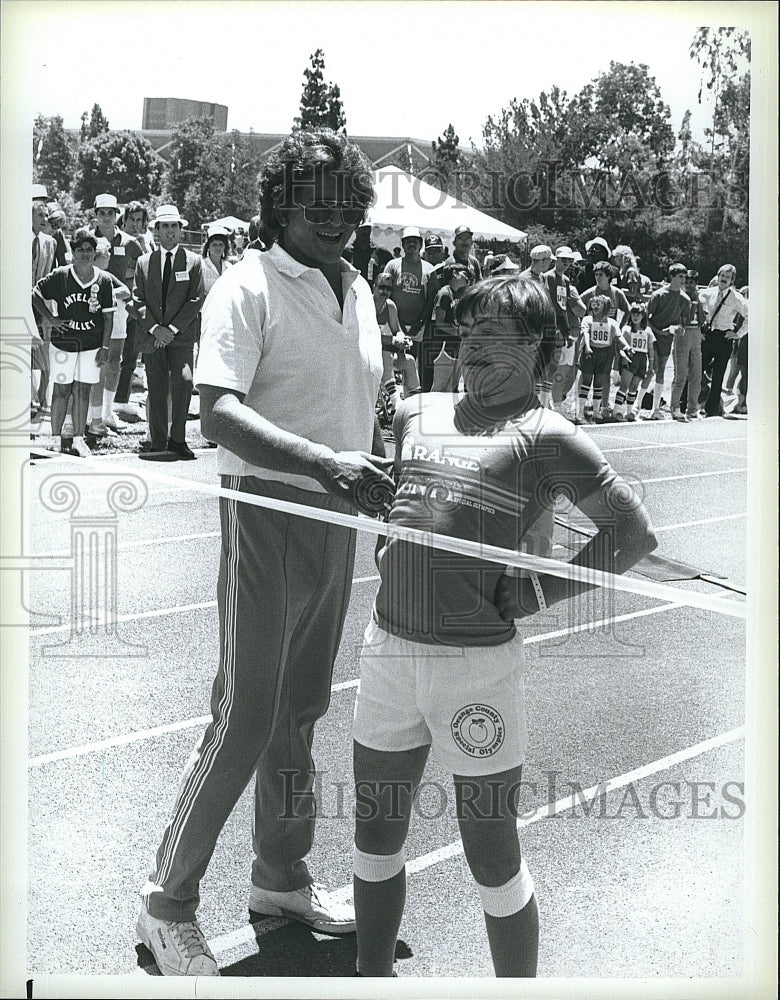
<point>120,163</point>
<point>321,105</point>
<point>54,156</point>
<point>94,125</point>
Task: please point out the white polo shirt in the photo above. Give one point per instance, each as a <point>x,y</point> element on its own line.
<point>734,305</point>
<point>272,329</point>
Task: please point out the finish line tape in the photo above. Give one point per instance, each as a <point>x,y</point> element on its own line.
<point>460,546</point>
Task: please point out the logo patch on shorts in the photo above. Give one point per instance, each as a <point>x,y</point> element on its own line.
<point>478,730</point>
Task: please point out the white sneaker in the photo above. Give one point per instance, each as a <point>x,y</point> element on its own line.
<point>179,948</point>
<point>80,448</point>
<point>657,414</point>
<point>311,905</point>
<point>679,415</point>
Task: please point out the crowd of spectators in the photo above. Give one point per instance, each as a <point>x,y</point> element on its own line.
<point>625,348</point>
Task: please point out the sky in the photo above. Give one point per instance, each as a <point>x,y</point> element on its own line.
<point>404,68</point>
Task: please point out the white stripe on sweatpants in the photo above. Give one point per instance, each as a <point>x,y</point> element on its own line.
<point>202,768</point>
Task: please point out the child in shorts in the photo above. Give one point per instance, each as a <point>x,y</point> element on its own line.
<point>637,365</point>
<point>600,335</point>
<point>101,420</point>
<point>441,666</point>
<point>80,335</point>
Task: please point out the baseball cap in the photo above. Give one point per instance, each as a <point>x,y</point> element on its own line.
<point>541,251</point>
<point>432,240</point>
<point>461,230</point>
<point>565,252</point>
<point>409,232</point>
<point>106,201</point>
<point>39,192</point>
<point>505,266</point>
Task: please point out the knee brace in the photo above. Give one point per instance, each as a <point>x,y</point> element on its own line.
<point>511,897</point>
<point>377,867</point>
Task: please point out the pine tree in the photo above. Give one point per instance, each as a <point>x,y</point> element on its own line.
<point>53,154</point>
<point>97,123</point>
<point>321,105</point>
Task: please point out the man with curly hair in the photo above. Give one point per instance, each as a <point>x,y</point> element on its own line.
<point>288,373</point>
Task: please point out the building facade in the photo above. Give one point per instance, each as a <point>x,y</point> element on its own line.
<point>162,113</point>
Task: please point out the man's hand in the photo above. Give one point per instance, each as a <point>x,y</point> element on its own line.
<point>163,336</point>
<point>101,357</point>
<point>361,479</point>
<point>515,597</point>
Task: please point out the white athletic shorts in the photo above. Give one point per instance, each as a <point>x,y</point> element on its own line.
<point>466,702</point>
<point>72,366</point>
<point>119,327</point>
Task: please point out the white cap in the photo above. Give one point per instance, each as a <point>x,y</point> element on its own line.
<point>411,231</point>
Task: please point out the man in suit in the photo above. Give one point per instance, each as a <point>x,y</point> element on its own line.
<point>44,249</point>
<point>167,298</point>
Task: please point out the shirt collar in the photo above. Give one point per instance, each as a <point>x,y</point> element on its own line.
<point>286,264</point>
<point>173,250</point>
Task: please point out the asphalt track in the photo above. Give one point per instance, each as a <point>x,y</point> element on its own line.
<point>635,703</point>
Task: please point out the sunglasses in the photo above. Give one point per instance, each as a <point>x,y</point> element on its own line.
<point>385,288</point>
<point>320,212</point>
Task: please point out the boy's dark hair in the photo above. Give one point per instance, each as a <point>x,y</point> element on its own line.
<point>675,269</point>
<point>300,158</point>
<point>135,206</point>
<point>603,267</point>
<point>602,300</point>
<point>450,270</point>
<point>83,235</point>
<point>521,299</point>
<point>641,308</point>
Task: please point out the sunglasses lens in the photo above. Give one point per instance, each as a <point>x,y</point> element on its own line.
<point>320,213</point>
<point>352,215</point>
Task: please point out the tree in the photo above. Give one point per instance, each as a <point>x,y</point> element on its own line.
<point>120,163</point>
<point>196,176</point>
<point>321,105</point>
<point>53,155</point>
<point>243,163</point>
<point>724,57</point>
<point>97,124</point>
<point>446,159</point>
<point>622,118</point>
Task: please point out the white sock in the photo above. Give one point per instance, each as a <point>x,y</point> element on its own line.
<point>108,404</point>
<point>658,389</point>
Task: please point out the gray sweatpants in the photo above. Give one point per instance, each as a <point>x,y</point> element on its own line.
<point>283,592</point>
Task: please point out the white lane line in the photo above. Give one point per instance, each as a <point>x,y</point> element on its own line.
<point>133,545</point>
<point>136,616</point>
<point>156,613</point>
<point>694,445</point>
<point>692,475</point>
<point>203,720</point>
<point>693,524</point>
<point>250,932</point>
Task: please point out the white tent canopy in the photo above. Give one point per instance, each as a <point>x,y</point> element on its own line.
<point>405,200</point>
<point>229,222</point>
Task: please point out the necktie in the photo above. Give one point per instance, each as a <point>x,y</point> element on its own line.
<point>166,278</point>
